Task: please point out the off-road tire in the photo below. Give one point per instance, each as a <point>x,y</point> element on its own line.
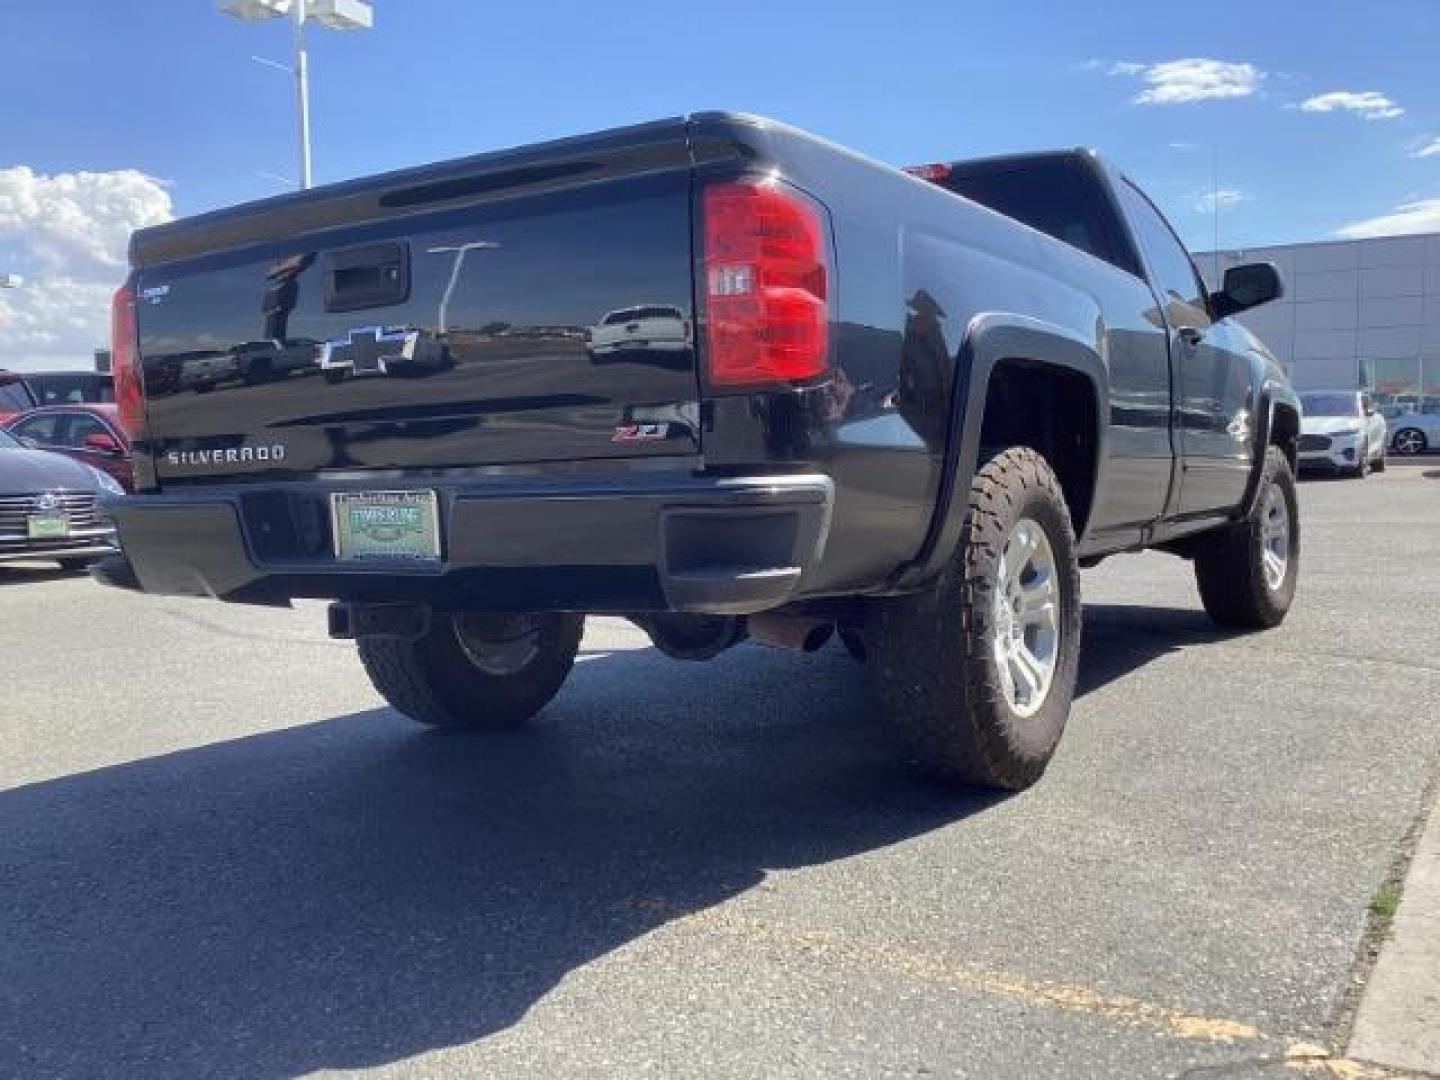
<point>1229,563</point>
<point>434,681</point>
<point>933,667</point>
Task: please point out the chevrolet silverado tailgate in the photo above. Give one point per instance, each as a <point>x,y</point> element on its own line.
<point>478,312</point>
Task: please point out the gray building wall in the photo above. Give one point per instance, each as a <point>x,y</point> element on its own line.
<point>1356,313</point>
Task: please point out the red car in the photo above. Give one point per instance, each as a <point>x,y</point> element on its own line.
<point>88,433</point>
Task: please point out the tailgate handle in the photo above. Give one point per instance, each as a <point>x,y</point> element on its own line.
<point>375,275</point>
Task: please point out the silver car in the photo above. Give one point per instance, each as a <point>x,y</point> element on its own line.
<point>50,507</point>
<point>1416,429</point>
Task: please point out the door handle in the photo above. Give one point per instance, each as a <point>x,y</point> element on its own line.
<point>1190,336</point>
<point>376,275</point>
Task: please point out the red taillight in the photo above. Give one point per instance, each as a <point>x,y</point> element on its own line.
<point>125,362</point>
<point>766,285</point>
<point>934,173</point>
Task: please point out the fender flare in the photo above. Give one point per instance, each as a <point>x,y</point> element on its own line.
<point>989,339</point>
<point>1266,409</point>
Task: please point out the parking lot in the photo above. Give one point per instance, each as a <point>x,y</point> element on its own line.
<point>222,856</point>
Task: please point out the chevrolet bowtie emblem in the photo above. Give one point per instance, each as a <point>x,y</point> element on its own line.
<point>369,350</point>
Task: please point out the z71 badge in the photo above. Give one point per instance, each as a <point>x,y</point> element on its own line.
<point>640,432</point>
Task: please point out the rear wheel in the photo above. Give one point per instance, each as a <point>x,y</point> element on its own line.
<point>1408,441</point>
<point>976,675</point>
<point>479,672</point>
<point>1247,571</point>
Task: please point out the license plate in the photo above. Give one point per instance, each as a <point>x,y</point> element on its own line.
<point>386,525</point>
<point>47,526</point>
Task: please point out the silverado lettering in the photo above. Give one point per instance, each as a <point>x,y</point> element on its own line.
<point>230,456</point>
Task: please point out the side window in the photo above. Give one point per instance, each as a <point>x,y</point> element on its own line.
<point>13,397</point>
<point>82,426</point>
<point>1174,274</point>
<point>1049,196</point>
<point>60,390</point>
<point>42,430</point>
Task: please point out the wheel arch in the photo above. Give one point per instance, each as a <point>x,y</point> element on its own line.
<point>993,344</point>
<point>1279,425</point>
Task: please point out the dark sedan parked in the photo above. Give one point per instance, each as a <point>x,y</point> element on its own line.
<point>91,434</point>
<point>50,507</point>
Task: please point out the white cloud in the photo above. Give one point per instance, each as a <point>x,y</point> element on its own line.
<point>1427,147</point>
<point>1223,199</point>
<point>1414,217</point>
<point>1174,82</point>
<point>66,235</point>
<point>1371,104</point>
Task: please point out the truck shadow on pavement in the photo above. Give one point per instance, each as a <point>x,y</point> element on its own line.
<point>357,891</point>
<point>1120,638</point>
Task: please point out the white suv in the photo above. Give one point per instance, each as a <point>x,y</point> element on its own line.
<point>1341,430</point>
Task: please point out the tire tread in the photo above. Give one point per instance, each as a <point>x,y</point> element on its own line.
<point>431,682</point>
<point>942,698</point>
<point>1228,568</point>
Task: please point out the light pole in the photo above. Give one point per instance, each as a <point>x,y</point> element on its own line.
<point>331,14</point>
<point>1214,198</point>
<point>459,252</point>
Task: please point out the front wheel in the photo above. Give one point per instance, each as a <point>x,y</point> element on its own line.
<point>976,675</point>
<point>1410,441</point>
<point>1247,571</point>
<point>478,672</point>
<point>1362,469</point>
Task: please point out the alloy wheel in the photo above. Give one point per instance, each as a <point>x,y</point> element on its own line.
<point>1275,537</point>
<point>1026,620</point>
<point>1409,441</point>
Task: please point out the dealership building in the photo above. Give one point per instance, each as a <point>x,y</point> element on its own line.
<point>1360,313</point>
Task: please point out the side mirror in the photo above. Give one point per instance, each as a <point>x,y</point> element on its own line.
<point>102,442</point>
<point>1247,286</point>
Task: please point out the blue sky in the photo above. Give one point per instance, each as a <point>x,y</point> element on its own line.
<point>167,88</point>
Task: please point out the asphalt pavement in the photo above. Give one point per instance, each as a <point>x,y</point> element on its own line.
<point>221,855</point>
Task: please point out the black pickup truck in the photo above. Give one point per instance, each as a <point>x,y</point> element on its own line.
<point>721,377</point>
